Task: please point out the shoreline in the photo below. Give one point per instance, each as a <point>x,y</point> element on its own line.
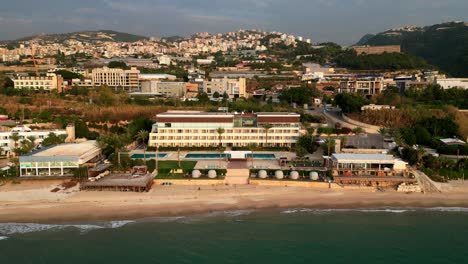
<point>173,201</point>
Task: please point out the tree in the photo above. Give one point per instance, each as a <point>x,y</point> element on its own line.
<point>142,136</point>
<point>308,143</point>
<point>216,95</point>
<point>15,137</point>
<point>300,151</point>
<point>267,128</point>
<point>220,131</point>
<point>53,139</point>
<point>350,103</point>
<point>118,64</point>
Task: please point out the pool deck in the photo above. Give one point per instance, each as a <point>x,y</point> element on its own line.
<point>172,155</point>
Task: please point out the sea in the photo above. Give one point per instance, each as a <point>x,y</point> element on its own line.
<point>286,236</point>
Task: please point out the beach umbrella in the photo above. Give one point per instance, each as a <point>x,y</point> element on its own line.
<point>262,174</point>
<point>314,175</point>
<point>212,174</point>
<point>294,175</point>
<point>279,175</point>
<point>196,174</point>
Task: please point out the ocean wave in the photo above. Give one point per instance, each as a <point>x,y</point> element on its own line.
<point>322,211</point>
<point>376,210</point>
<point>20,228</point>
<point>3,237</point>
<point>449,209</point>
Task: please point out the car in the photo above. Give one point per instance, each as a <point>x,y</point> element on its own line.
<point>320,141</point>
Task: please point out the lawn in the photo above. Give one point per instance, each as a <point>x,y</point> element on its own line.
<point>165,167</point>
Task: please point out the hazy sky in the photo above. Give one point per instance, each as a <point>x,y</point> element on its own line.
<point>341,21</point>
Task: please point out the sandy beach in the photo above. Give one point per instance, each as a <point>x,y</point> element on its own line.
<point>33,202</point>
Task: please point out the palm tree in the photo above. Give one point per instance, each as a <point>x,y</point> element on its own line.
<point>142,136</point>
<point>252,147</point>
<point>15,137</point>
<point>421,151</point>
<point>220,132</point>
<point>267,127</point>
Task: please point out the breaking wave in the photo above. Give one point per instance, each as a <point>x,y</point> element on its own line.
<point>19,228</point>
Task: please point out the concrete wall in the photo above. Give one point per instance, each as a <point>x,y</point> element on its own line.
<point>193,182</point>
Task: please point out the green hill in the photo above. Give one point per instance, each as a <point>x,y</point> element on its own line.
<point>443,45</point>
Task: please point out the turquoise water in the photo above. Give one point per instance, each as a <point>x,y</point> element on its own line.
<point>261,156</point>
<point>224,155</point>
<point>278,236</point>
<point>207,156</point>
<point>148,156</point>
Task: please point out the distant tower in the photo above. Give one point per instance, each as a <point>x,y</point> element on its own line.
<point>71,138</point>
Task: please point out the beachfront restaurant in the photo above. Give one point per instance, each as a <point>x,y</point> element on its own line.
<point>367,165</point>
<point>378,170</point>
<point>60,160</point>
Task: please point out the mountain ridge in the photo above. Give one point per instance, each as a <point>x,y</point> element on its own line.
<point>443,45</point>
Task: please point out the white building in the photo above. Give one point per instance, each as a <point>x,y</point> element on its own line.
<point>234,88</point>
<point>368,165</point>
<point>7,144</point>
<point>200,129</point>
<point>47,83</point>
<point>60,160</point>
<point>453,82</point>
<point>116,78</point>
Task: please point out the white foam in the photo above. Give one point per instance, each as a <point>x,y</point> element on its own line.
<point>118,224</point>
<point>322,211</point>
<point>20,228</point>
<point>3,237</point>
<point>448,209</point>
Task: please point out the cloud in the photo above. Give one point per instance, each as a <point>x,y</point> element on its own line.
<point>343,21</point>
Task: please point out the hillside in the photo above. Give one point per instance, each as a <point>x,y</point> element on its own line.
<point>443,45</point>
<point>86,36</point>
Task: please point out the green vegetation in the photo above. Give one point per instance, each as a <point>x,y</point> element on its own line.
<point>350,103</point>
<point>68,75</point>
<point>118,65</point>
<point>386,61</point>
<point>443,45</point>
<point>165,167</point>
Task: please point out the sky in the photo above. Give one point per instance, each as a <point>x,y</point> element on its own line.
<point>340,21</point>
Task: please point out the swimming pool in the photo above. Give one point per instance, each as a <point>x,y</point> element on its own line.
<point>207,156</point>
<point>261,156</point>
<point>148,156</point>
<point>227,155</point>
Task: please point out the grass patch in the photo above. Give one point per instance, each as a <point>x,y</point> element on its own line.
<point>166,166</point>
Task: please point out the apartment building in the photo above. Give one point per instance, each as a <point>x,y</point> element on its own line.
<point>201,129</point>
<point>365,86</point>
<point>164,89</point>
<point>51,82</point>
<point>234,88</point>
<point>7,144</point>
<point>116,78</point>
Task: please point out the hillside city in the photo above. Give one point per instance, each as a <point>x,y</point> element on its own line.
<point>238,107</point>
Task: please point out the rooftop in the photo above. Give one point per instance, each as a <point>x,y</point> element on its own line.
<point>72,149</point>
<point>360,157</point>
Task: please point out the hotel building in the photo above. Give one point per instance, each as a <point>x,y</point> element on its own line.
<point>48,83</point>
<point>200,129</point>
<point>116,78</point>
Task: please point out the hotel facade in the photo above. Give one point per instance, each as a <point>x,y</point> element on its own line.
<point>201,129</point>
<point>116,78</point>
